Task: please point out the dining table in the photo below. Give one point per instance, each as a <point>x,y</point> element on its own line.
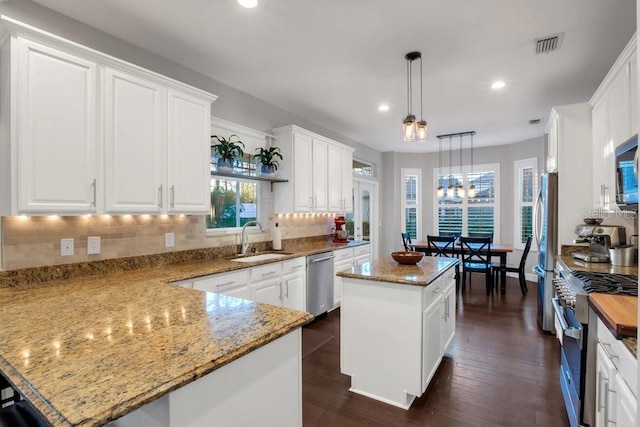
<point>499,250</point>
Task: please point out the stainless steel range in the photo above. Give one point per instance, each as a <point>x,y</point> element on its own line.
<point>573,322</point>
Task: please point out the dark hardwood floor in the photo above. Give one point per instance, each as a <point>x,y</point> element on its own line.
<point>500,370</point>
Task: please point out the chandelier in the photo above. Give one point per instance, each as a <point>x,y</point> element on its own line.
<point>458,190</point>
<point>412,130</point>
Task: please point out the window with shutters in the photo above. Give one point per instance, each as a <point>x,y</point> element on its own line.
<point>411,181</point>
<point>477,214</point>
<point>526,188</point>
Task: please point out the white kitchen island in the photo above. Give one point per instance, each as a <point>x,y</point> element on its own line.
<point>395,322</point>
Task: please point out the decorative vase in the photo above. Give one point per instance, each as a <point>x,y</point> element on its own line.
<point>225,165</point>
<point>267,170</point>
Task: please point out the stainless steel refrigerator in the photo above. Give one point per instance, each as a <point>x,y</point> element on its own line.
<point>545,230</point>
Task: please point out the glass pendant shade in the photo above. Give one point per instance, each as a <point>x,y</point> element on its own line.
<point>409,128</point>
<point>450,190</point>
<point>472,191</point>
<point>440,191</point>
<point>422,130</point>
<point>460,190</point>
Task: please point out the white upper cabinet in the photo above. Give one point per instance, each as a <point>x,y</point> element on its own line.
<point>189,142</point>
<point>86,133</point>
<point>614,121</point>
<point>53,98</point>
<point>314,166</point>
<point>134,109</point>
<point>340,181</point>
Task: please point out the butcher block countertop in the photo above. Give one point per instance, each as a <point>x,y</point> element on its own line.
<point>88,350</point>
<point>620,314</point>
<point>386,269</point>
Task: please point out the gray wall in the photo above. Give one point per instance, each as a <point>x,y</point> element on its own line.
<point>232,104</point>
<point>505,155</point>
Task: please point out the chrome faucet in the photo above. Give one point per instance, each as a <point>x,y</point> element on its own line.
<point>245,239</point>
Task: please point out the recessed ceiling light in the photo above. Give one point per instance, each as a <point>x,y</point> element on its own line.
<point>248,3</point>
<point>498,85</point>
<point>383,107</point>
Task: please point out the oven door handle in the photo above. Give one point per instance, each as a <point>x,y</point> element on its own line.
<point>572,332</point>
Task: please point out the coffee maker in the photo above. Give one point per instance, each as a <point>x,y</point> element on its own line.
<point>600,238</point>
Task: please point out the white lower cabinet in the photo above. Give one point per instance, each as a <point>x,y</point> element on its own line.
<point>279,283</point>
<point>235,284</point>
<point>431,354</point>
<point>294,284</point>
<point>448,323</point>
<point>343,261</point>
<point>616,388</point>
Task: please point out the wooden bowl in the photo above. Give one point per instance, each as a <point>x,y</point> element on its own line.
<point>407,258</point>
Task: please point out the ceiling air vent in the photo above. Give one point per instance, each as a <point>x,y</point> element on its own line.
<point>548,44</point>
<point>534,121</point>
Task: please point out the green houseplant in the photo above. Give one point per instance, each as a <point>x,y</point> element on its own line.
<point>267,158</point>
<point>226,151</point>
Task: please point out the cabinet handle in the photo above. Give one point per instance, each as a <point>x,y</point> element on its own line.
<point>286,294</point>
<point>607,390</point>
<point>173,196</point>
<point>268,273</point>
<point>298,266</point>
<point>224,285</point>
<point>600,380</point>
<point>607,349</point>
<point>280,291</point>
<point>435,291</point>
<point>93,187</point>
<point>160,196</point>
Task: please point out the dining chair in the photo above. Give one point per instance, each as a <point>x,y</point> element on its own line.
<point>482,235</point>
<point>406,241</point>
<point>476,258</point>
<point>444,246</point>
<point>497,269</point>
<point>455,234</point>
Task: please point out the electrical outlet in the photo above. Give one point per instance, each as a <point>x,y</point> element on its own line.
<point>169,240</point>
<point>66,247</point>
<point>93,245</point>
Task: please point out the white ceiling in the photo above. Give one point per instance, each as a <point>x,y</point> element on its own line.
<point>333,61</point>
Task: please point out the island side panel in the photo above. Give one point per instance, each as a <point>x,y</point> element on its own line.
<point>262,388</point>
<point>381,339</point>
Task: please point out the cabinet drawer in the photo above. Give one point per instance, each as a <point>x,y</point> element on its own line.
<point>218,282</point>
<point>297,265</point>
<point>341,266</point>
<point>361,250</point>
<point>266,271</point>
<point>432,291</point>
<point>342,255</point>
<point>620,356</point>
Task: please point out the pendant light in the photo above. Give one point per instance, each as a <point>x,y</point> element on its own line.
<point>471,193</point>
<point>450,188</point>
<point>410,128</point>
<point>460,188</point>
<point>440,189</point>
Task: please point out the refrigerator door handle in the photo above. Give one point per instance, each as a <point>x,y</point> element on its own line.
<point>537,218</point>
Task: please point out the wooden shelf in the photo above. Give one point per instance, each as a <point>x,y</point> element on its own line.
<point>249,177</point>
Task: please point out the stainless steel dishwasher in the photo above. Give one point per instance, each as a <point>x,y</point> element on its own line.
<point>320,278</point>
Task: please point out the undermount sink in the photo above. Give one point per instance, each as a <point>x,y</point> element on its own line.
<point>260,257</point>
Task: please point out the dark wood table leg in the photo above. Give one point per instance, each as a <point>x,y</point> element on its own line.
<point>503,273</point>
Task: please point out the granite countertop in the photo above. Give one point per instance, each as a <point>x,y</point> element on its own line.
<point>387,270</point>
<point>599,267</point>
<point>91,349</point>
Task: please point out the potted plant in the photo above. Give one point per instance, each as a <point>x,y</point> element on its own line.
<point>226,151</point>
<point>267,158</point>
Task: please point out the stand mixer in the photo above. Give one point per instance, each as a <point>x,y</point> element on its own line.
<point>341,234</point>
<point>600,238</point>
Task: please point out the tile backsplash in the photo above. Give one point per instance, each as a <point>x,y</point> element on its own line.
<point>35,241</point>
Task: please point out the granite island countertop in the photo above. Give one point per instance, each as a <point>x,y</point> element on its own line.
<point>88,350</point>
<point>386,269</point>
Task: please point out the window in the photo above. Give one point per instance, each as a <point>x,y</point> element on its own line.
<point>234,201</point>
<point>362,168</point>
<point>525,186</point>
<point>411,183</point>
<point>465,215</point>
